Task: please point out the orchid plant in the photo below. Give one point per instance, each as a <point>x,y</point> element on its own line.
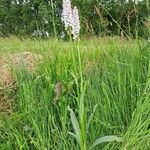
<point>70,18</point>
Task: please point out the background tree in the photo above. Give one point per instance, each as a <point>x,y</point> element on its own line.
<point>98,17</point>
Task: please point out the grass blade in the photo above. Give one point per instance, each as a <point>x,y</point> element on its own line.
<point>91,117</point>
<point>75,125</point>
<point>106,139</point>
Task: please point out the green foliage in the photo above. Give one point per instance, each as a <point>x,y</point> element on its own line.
<point>99,17</point>
<point>114,101</point>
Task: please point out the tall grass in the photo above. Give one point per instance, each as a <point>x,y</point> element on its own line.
<point>106,83</point>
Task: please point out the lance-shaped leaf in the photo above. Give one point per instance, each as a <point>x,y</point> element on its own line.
<point>106,139</point>
<point>75,125</point>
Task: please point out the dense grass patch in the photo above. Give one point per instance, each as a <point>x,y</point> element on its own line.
<point>106,80</point>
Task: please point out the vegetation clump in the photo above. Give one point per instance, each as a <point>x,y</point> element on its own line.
<point>103,84</point>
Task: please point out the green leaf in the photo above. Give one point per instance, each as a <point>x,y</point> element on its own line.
<point>81,106</point>
<point>75,124</point>
<point>91,117</point>
<point>106,139</point>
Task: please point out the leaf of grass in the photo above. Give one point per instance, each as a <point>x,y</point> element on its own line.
<point>106,139</point>
<point>91,117</point>
<point>75,125</point>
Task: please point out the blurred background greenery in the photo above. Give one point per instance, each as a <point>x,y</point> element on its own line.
<point>130,18</point>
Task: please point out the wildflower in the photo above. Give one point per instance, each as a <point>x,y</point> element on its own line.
<point>76,23</point>
<point>67,14</point>
<point>70,17</point>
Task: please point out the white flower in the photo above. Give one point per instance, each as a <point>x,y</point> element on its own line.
<point>67,13</point>
<point>76,23</point>
<point>71,18</point>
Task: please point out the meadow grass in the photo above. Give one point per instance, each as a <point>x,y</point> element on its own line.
<point>106,85</point>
